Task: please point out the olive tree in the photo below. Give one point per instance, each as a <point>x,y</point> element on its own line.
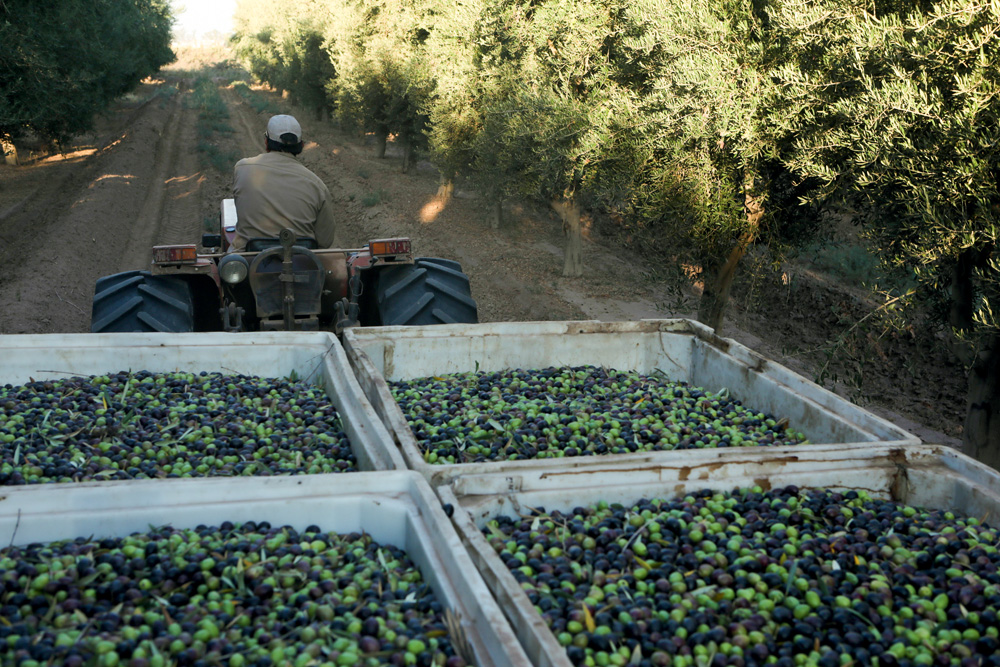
<point>546,80</point>
<point>63,62</point>
<point>533,144</point>
<point>256,39</point>
<point>711,127</point>
<point>452,112</point>
<point>383,77</point>
<point>911,139</point>
<point>285,46</point>
<point>309,67</point>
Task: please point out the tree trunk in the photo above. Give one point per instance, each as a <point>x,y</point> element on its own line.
<point>496,215</point>
<point>446,188</point>
<point>9,152</point>
<point>573,228</point>
<point>381,137</point>
<point>981,436</point>
<point>407,155</point>
<point>962,303</point>
<point>715,297</point>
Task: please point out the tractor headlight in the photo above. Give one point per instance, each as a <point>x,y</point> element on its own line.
<point>234,269</point>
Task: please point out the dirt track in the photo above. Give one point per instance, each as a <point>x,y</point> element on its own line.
<point>97,213</point>
<point>67,220</point>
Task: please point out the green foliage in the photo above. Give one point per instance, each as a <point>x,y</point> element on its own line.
<point>259,103</point>
<point>309,67</point>
<point>213,121</point>
<point>913,144</point>
<point>63,62</point>
<point>384,95</point>
<point>213,114</point>
<point>374,198</point>
<point>536,114</point>
<point>283,45</point>
<point>453,117</point>
<point>508,151</point>
<point>384,79</point>
<point>711,125</point>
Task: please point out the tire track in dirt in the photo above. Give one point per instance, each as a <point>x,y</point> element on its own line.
<point>62,178</point>
<point>100,218</point>
<point>78,229</point>
<point>179,220</point>
<point>250,125</point>
<point>58,191</point>
<point>150,224</point>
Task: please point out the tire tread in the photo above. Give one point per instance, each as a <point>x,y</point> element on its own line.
<point>137,301</point>
<point>429,291</point>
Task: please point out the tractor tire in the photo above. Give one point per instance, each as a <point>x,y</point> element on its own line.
<point>139,301</point>
<point>429,291</point>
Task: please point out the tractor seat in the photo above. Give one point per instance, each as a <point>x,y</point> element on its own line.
<point>262,244</point>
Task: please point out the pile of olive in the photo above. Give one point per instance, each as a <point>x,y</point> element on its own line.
<point>786,578</point>
<point>234,595</point>
<point>579,411</point>
<point>150,425</point>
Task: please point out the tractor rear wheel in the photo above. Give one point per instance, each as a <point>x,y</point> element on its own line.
<point>429,291</point>
<point>139,301</point>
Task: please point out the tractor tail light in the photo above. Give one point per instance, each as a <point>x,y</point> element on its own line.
<point>175,254</point>
<point>390,247</point>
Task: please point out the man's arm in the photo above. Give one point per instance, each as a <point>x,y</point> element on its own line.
<point>325,223</point>
<point>239,241</point>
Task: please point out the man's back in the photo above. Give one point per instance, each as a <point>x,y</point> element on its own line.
<point>273,191</point>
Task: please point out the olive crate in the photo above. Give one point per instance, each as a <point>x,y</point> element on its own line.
<point>315,357</point>
<point>681,349</point>
<point>393,507</point>
<point>928,476</point>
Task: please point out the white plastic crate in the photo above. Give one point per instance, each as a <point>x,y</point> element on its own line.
<point>682,349</point>
<point>396,507</point>
<point>314,357</point>
<point>924,475</point>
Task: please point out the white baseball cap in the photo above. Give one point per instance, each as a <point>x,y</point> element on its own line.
<point>281,125</point>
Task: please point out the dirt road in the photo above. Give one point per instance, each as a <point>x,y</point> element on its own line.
<point>141,180</point>
<point>95,211</point>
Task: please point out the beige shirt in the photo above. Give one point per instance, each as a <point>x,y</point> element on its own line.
<point>273,191</point>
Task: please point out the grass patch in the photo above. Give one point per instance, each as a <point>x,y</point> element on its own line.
<point>374,198</point>
<point>213,115</point>
<point>164,94</point>
<point>161,94</point>
<point>848,262</point>
<point>260,103</point>
<point>212,155</point>
<point>213,123</point>
<point>854,265</point>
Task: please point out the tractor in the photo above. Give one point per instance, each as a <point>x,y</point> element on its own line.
<point>281,284</point>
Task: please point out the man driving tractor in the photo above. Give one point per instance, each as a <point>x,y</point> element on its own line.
<point>280,281</point>
<point>274,191</point>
